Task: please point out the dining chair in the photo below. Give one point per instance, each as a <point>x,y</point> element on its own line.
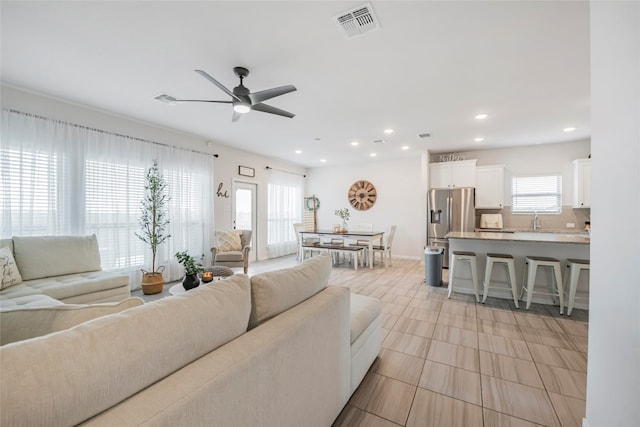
<point>363,243</point>
<point>297,228</point>
<point>385,248</point>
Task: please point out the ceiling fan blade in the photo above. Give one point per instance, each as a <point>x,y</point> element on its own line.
<point>263,95</point>
<point>272,110</point>
<point>203,100</point>
<point>236,116</point>
<point>217,83</point>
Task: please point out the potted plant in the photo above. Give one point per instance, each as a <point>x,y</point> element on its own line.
<point>191,270</point>
<point>344,214</point>
<point>153,225</point>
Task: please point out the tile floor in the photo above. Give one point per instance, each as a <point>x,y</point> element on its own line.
<point>453,362</point>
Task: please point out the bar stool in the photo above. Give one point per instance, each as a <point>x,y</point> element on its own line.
<point>464,256</point>
<point>509,263</point>
<point>575,266</point>
<point>555,286</point>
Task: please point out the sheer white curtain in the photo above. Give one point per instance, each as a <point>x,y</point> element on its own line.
<point>284,209</point>
<point>59,178</point>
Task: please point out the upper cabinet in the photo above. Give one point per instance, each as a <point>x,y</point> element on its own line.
<point>453,174</point>
<point>490,187</point>
<point>582,183</point>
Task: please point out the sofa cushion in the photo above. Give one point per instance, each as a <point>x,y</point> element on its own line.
<point>48,256</point>
<point>129,351</point>
<point>228,240</point>
<point>26,301</point>
<point>8,268</point>
<point>71,285</point>
<point>24,323</point>
<point>363,311</point>
<point>276,291</point>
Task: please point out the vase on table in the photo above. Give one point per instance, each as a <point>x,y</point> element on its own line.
<point>190,281</point>
<point>344,227</point>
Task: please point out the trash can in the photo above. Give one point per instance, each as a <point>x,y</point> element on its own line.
<point>433,257</point>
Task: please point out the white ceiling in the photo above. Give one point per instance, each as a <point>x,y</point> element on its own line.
<point>431,67</point>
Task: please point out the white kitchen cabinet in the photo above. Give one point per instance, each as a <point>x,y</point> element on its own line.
<point>490,187</point>
<point>582,183</point>
<point>453,174</point>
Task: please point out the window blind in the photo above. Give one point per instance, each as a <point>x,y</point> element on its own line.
<point>542,194</point>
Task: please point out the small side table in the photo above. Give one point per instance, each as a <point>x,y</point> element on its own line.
<point>218,272</point>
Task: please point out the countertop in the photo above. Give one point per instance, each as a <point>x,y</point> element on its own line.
<point>520,236</point>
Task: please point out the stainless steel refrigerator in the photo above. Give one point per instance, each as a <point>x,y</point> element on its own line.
<point>449,210</point>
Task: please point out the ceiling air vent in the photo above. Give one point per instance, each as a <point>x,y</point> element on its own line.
<point>379,141</point>
<point>357,21</point>
<point>424,135</point>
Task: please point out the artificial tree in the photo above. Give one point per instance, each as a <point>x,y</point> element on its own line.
<point>153,225</point>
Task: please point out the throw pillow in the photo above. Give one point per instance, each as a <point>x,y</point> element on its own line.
<point>277,291</point>
<point>10,274</point>
<point>229,240</point>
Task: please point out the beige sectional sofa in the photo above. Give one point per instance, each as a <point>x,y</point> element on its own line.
<point>57,270</point>
<point>279,349</point>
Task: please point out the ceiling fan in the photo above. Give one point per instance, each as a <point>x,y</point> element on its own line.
<point>242,99</point>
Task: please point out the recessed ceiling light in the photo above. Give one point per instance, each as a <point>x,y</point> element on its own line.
<point>355,143</point>
<point>569,129</point>
<point>388,131</point>
<point>323,160</point>
<point>405,147</point>
<point>298,151</point>
<point>479,139</point>
<point>373,154</point>
<point>481,116</point>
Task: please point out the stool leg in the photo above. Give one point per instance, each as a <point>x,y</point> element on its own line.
<point>558,274</point>
<point>524,279</point>
<point>551,283</point>
<point>356,261</point>
<point>487,279</point>
<point>512,278</point>
<point>531,278</point>
<point>474,277</point>
<point>451,273</point>
<point>573,284</point>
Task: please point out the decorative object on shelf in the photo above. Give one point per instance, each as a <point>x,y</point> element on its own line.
<point>312,203</point>
<point>344,215</point>
<point>246,171</point>
<point>191,270</point>
<point>153,224</point>
<point>362,195</point>
<point>450,157</point>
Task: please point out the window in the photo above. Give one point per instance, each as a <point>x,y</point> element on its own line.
<point>284,209</point>
<point>58,178</point>
<point>542,194</point>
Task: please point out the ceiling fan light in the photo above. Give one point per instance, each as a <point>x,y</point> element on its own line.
<point>241,108</point>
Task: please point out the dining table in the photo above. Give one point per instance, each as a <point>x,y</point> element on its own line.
<point>369,236</point>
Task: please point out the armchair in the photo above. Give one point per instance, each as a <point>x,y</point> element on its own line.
<point>232,248</point>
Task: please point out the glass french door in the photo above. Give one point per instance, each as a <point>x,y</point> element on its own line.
<point>244,210</point>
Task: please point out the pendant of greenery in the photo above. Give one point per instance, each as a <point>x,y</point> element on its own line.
<point>190,265</point>
<point>153,218</point>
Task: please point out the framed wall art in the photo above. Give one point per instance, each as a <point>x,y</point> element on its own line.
<point>246,171</point>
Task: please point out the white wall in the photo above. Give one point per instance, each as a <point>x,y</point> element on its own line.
<point>613,376</point>
<point>400,199</point>
<point>535,160</point>
<point>226,165</point>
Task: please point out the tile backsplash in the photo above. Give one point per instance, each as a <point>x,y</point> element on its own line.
<point>546,221</point>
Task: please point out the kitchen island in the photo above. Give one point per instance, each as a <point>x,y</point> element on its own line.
<point>519,244</point>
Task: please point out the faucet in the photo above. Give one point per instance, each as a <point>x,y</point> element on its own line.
<point>536,221</point>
